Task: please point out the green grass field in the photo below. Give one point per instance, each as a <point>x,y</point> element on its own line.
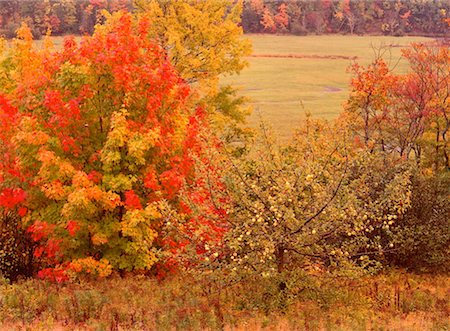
<point>283,89</point>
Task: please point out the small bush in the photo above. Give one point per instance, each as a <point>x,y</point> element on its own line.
<point>422,237</point>
<point>9,31</point>
<point>15,248</point>
<point>298,29</point>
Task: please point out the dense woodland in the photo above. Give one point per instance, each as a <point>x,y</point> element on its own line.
<point>60,16</point>
<point>121,155</point>
<point>299,17</point>
<point>387,17</point>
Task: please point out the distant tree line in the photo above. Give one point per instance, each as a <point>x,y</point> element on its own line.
<point>59,16</point>
<point>388,17</point>
<point>299,17</point>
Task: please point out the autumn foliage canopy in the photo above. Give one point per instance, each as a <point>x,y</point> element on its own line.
<point>96,138</point>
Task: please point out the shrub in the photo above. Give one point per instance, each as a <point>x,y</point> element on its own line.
<point>422,236</point>
<point>10,29</point>
<point>298,29</point>
<point>16,248</point>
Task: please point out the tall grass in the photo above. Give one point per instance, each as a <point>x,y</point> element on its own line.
<point>392,301</point>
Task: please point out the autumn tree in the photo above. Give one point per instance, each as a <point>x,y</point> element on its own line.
<point>369,102</point>
<point>203,40</point>
<point>251,15</point>
<point>282,18</point>
<point>66,12</point>
<point>404,113</point>
<point>430,76</point>
<point>319,201</point>
<point>268,22</point>
<point>96,136</point>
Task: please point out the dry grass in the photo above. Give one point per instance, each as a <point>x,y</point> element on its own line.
<point>392,301</point>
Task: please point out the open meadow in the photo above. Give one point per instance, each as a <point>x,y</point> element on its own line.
<point>308,74</point>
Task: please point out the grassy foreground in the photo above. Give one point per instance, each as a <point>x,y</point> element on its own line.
<point>391,301</point>
<point>282,89</point>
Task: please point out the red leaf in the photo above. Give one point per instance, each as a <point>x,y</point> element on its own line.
<point>132,200</point>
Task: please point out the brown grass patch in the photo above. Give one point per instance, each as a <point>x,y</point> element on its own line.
<point>306,56</point>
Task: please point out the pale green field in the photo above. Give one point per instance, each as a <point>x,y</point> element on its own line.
<point>283,89</point>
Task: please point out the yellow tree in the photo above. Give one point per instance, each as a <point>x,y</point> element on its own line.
<point>268,21</point>
<point>203,40</point>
